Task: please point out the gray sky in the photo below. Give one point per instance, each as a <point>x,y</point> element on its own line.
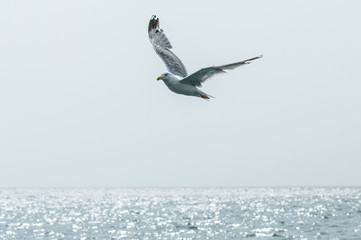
<point>80,104</point>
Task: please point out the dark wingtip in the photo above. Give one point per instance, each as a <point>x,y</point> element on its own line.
<point>251,59</point>
<point>153,23</point>
<point>255,58</point>
<point>157,22</point>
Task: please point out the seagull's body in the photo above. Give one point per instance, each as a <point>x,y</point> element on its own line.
<point>178,79</point>
<point>175,85</point>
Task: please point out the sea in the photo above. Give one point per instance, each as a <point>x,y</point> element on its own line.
<point>181,213</point>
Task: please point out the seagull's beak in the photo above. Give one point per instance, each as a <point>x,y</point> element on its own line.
<point>159,78</point>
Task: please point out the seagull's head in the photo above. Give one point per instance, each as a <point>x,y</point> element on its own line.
<point>164,76</point>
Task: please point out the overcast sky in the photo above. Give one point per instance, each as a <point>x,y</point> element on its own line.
<point>80,104</point>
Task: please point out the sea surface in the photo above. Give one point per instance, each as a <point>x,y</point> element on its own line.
<point>181,213</point>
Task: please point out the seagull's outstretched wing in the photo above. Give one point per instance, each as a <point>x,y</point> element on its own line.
<point>202,75</point>
<point>162,45</point>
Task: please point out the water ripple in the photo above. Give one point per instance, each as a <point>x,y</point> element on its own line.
<point>181,213</point>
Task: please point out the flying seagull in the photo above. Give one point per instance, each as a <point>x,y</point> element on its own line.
<point>178,80</point>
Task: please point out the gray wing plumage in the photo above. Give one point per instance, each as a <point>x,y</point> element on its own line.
<point>162,45</point>
<point>197,78</point>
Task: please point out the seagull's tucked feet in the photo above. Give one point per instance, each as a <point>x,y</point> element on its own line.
<point>204,96</point>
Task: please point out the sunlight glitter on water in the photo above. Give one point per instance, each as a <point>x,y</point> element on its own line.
<point>174,213</point>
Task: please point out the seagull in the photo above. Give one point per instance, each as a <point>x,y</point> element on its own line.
<point>177,79</point>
